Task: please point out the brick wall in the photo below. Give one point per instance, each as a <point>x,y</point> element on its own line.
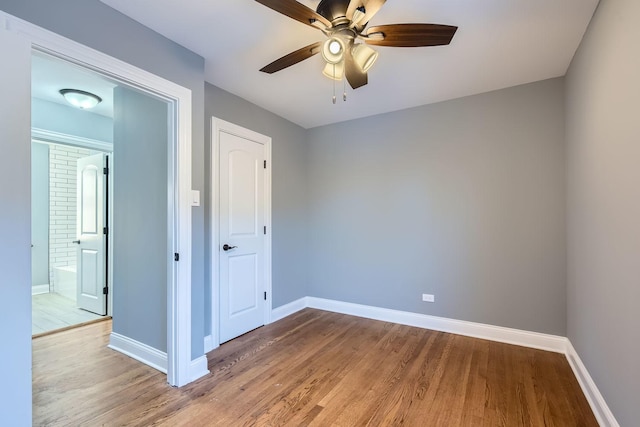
<point>62,205</point>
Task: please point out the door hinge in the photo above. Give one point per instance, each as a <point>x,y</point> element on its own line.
<point>265,295</point>
<point>105,230</point>
<point>176,257</point>
<point>105,171</point>
<point>265,164</point>
<point>105,290</point>
<point>265,229</point>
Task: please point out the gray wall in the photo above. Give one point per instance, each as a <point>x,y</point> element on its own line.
<point>69,120</point>
<point>15,233</point>
<point>462,199</point>
<point>140,151</point>
<point>92,23</point>
<point>289,191</point>
<point>603,151</point>
<point>39,214</point>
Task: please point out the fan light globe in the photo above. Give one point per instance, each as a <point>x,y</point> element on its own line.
<point>333,50</point>
<point>364,56</point>
<point>334,71</point>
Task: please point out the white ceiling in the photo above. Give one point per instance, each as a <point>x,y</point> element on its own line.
<point>49,75</point>
<point>499,43</point>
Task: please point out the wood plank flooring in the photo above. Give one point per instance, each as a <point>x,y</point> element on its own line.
<point>52,311</point>
<point>313,368</point>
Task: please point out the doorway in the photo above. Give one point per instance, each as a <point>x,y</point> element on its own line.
<point>19,39</point>
<point>240,230</point>
<point>69,217</point>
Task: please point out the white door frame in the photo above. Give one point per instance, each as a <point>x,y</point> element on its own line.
<point>218,125</point>
<point>179,173</point>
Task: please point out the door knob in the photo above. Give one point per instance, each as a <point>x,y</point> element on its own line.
<point>76,241</point>
<point>226,247</point>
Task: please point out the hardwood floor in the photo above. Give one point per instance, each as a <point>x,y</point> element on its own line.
<point>312,368</point>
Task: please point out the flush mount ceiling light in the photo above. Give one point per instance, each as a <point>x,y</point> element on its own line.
<point>344,22</point>
<point>80,98</point>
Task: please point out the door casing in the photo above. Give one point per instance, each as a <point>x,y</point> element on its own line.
<point>179,364</point>
<point>218,125</point>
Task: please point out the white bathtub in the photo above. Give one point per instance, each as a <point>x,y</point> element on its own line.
<point>64,281</point>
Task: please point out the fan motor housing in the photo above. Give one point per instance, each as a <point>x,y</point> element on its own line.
<point>333,9</point>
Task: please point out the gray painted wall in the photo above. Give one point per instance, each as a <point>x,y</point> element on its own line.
<point>48,115</point>
<point>15,233</point>
<point>603,148</point>
<point>39,214</point>
<point>289,191</point>
<point>92,23</point>
<point>462,199</point>
<point>140,151</point>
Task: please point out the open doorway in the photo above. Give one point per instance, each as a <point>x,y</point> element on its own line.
<point>70,183</point>
<point>19,40</point>
<point>69,255</point>
<point>100,194</point>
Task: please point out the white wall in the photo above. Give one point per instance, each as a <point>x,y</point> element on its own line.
<point>603,152</point>
<point>15,232</point>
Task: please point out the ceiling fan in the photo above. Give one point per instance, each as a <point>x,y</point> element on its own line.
<point>344,23</point>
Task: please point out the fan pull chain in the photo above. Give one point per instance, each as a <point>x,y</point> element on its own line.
<point>334,84</point>
<point>344,90</point>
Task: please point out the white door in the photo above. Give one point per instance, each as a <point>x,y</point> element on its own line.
<point>91,237</point>
<point>241,231</point>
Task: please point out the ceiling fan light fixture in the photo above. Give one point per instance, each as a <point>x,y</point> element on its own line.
<point>364,56</point>
<point>334,71</point>
<point>333,50</point>
<point>80,98</point>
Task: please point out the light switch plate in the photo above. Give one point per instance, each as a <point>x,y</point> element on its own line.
<point>195,198</point>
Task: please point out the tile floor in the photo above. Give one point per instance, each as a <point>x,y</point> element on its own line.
<point>53,311</point>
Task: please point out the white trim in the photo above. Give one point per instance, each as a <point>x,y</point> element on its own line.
<point>471,329</point>
<point>139,351</point>
<point>66,139</point>
<point>110,210</point>
<point>40,289</point>
<point>288,309</point>
<point>216,126</point>
<point>208,344</point>
<point>179,215</point>
<point>598,405</point>
<point>198,368</point>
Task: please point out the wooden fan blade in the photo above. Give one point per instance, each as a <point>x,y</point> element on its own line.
<point>412,35</point>
<point>295,10</point>
<point>371,7</point>
<point>355,76</point>
<point>292,58</point>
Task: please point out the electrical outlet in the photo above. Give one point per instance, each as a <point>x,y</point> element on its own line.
<point>428,298</point>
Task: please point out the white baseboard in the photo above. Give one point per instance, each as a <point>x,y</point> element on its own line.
<point>198,368</point>
<point>594,397</point>
<point>208,344</point>
<point>139,351</point>
<point>288,309</point>
<point>40,289</point>
<point>477,330</point>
